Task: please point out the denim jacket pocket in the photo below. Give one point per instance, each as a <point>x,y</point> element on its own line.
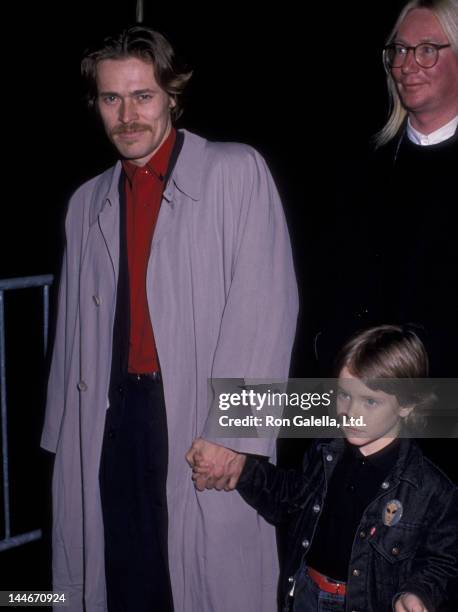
<point>397,543</point>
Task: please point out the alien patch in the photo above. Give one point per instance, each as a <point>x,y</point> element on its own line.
<point>392,512</point>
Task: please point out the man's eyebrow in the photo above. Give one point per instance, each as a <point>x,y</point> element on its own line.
<point>137,92</point>
<point>108,93</point>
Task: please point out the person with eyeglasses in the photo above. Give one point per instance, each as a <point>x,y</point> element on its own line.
<point>396,229</point>
<point>421,61</point>
<point>412,182</point>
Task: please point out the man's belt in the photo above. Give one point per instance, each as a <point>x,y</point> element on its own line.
<point>153,376</point>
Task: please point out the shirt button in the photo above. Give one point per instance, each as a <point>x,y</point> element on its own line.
<point>97,300</point>
<point>316,508</point>
<point>356,572</point>
<point>305,543</point>
<point>82,386</point>
<point>385,485</point>
<point>291,579</point>
<point>329,457</point>
<point>362,534</point>
<point>395,551</point>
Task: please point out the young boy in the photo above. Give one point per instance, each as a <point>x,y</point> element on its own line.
<point>373,524</point>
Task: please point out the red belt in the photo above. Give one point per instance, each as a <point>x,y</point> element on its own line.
<point>337,588</point>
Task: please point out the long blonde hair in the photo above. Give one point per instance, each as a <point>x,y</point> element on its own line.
<point>446,12</point>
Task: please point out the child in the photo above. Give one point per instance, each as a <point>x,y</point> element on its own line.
<point>372,523</point>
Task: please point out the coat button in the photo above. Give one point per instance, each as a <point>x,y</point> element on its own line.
<point>291,579</point>
<point>395,551</point>
<point>316,508</point>
<point>97,300</point>
<point>362,534</point>
<point>305,543</point>
<point>82,386</point>
<point>356,572</point>
<point>329,457</point>
<point>385,485</point>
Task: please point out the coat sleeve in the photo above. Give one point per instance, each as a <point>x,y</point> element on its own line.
<point>67,318</point>
<point>56,395</point>
<point>436,561</point>
<point>259,321</point>
<point>274,492</point>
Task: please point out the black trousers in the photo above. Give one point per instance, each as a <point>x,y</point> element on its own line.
<point>133,472</point>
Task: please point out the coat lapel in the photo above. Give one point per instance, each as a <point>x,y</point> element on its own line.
<point>185,180</point>
<point>105,212</point>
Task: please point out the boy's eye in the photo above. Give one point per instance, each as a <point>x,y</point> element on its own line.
<point>144,97</point>
<point>370,401</point>
<point>342,395</point>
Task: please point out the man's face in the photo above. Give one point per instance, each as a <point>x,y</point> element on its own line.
<point>381,413</point>
<point>429,93</point>
<point>134,109</point>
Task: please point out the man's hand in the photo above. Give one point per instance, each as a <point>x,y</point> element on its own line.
<point>409,603</point>
<point>214,466</point>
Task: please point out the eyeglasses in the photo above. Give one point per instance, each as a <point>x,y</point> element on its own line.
<point>425,54</point>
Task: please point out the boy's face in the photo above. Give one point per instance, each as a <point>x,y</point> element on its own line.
<point>380,412</point>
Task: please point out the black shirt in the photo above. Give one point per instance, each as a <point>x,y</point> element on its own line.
<point>353,485</point>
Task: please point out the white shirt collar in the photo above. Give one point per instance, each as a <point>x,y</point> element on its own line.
<point>443,133</point>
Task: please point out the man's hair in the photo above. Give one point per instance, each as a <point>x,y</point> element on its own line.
<point>390,352</point>
<point>446,12</point>
<point>144,44</point>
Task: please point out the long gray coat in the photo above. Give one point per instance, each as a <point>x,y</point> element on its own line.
<point>223,303</point>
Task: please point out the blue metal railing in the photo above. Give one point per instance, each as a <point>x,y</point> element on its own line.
<point>6,285</point>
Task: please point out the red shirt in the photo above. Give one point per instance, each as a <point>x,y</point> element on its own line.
<point>144,187</point>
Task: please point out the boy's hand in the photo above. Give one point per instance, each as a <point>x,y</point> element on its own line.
<point>214,466</point>
<point>409,603</point>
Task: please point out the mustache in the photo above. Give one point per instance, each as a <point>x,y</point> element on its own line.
<point>131,127</point>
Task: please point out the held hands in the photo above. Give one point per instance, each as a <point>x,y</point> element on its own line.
<point>214,466</point>
<point>409,603</point>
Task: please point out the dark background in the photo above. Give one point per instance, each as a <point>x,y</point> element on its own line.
<point>304,86</point>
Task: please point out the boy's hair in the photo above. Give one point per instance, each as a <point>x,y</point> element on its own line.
<point>390,352</point>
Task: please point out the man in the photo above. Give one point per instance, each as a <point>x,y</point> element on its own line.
<point>177,269</point>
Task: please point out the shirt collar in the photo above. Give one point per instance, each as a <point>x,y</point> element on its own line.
<point>439,135</point>
<point>157,164</point>
<point>383,460</point>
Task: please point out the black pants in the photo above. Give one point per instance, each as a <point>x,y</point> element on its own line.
<point>133,472</point>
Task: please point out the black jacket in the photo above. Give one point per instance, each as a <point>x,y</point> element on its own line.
<point>418,555</point>
<point>396,252</point>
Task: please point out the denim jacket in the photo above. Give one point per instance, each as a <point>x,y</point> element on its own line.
<point>418,554</point>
